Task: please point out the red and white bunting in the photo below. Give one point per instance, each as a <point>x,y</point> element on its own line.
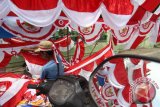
<point>27,31</point>
<point>90,34</point>
<point>95,58</point>
<point>64,44</point>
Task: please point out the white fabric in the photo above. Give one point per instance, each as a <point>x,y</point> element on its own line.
<point>111,76</point>
<point>40,18</point>
<point>146,17</point>
<point>154,32</point>
<point>133,67</point>
<point>4,8</point>
<point>157,12</point>
<point>132,39</point>
<point>34,69</point>
<point>2,56</point>
<point>140,2</point>
<point>84,19</point>
<point>17,84</point>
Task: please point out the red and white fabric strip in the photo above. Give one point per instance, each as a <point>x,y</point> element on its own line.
<point>79,52</point>
<point>16,86</point>
<point>96,57</point>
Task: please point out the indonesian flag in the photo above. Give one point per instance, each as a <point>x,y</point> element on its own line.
<point>12,88</point>
<point>4,8</point>
<point>39,13</point>
<point>26,31</point>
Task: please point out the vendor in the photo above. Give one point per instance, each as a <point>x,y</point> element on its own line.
<point>54,67</point>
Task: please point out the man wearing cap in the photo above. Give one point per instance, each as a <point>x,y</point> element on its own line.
<point>54,67</point>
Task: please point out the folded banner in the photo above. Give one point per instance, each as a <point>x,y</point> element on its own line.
<point>12,83</point>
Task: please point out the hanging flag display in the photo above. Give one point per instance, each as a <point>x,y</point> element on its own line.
<point>27,31</point>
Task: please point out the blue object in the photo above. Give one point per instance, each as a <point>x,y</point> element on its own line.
<point>5,34</point>
<point>101,80</point>
<point>50,70</point>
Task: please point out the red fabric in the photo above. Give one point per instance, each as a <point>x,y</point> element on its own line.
<point>151,5</point>
<point>35,4</point>
<point>62,42</point>
<point>138,40</point>
<point>6,60</point>
<point>34,58</point>
<point>89,67</point>
<point>9,74</point>
<point>126,93</point>
<point>123,7</point>
<point>16,99</point>
<point>82,5</point>
<point>137,16</point>
<point>79,52</point>
<point>154,17</point>
<point>120,72</point>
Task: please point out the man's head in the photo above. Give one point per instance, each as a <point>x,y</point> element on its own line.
<point>45,49</point>
<point>44,46</point>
